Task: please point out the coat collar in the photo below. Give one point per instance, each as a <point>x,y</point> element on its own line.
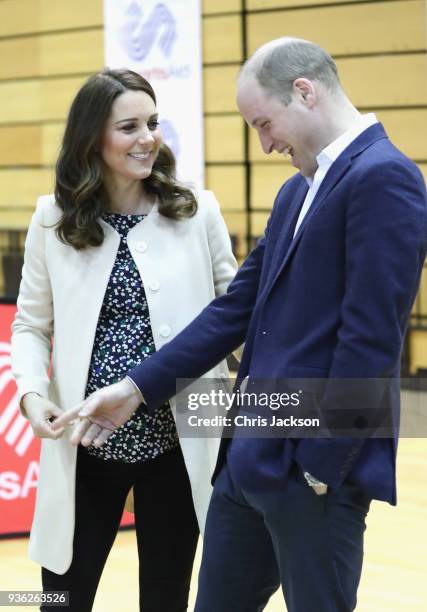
<point>151,216</point>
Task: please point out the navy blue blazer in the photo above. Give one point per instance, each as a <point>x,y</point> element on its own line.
<point>332,302</point>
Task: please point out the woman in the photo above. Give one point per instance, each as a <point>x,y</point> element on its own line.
<point>117,262</point>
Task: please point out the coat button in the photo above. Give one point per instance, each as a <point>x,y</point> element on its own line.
<point>154,285</point>
<point>141,246</point>
<point>164,331</point>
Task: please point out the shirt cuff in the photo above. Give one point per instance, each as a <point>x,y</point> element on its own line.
<point>136,388</point>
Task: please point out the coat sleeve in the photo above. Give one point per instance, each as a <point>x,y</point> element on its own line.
<point>32,329</point>
<point>224,264</point>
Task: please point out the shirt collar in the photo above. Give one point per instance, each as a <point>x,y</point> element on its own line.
<point>329,154</point>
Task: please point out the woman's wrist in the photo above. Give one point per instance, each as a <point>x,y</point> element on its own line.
<point>26,400</point>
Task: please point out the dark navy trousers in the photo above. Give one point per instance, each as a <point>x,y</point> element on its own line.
<point>311,545</point>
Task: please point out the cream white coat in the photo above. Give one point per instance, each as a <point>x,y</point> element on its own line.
<point>183,266</point>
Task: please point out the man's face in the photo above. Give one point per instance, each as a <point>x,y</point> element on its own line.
<point>286,129</point>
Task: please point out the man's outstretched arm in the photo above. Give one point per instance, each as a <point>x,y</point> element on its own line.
<point>219,329</point>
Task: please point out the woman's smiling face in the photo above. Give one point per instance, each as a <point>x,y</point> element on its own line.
<point>131,138</point>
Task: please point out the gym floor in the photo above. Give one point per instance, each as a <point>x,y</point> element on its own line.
<point>394,575</point>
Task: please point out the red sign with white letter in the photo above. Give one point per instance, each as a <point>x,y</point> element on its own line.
<point>19,449</point>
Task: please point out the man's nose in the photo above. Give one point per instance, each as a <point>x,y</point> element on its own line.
<point>266,143</point>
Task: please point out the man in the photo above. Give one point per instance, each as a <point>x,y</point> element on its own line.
<point>326,293</point>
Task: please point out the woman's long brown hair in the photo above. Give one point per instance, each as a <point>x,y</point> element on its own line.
<point>79,188</point>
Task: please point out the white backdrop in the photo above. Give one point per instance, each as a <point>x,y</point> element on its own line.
<point>162,41</point>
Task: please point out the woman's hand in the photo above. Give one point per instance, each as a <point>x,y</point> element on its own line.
<point>102,413</point>
<point>41,413</point>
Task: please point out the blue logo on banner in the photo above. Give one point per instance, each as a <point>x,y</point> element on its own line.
<point>138,36</point>
<point>170,136</point>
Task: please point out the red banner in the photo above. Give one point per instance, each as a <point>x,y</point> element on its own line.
<point>19,449</point>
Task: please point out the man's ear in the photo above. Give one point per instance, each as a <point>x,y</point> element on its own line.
<point>305,91</point>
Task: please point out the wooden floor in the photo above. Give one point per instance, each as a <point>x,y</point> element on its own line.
<point>395,569</point>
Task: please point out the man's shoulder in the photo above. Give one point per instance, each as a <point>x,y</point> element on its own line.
<point>376,149</point>
<point>383,158</point>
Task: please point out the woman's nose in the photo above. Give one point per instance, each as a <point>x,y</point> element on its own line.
<point>145,136</point>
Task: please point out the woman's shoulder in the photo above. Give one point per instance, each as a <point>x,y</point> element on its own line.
<point>206,202</point>
<point>205,198</point>
<point>47,209</point>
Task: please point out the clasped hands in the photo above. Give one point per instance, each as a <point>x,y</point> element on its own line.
<point>94,419</point>
<point>101,413</point>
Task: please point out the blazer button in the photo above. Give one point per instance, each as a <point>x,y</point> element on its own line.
<point>164,331</point>
<point>141,246</point>
<point>154,285</point>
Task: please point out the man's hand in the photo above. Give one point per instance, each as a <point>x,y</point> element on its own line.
<point>101,413</point>
<point>320,489</point>
<point>41,412</point>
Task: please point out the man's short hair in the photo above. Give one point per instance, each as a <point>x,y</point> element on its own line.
<point>279,63</point>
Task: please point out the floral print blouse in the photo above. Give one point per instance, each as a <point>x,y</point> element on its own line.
<point>123,339</point>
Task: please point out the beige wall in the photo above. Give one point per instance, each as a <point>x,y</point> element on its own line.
<point>48,47</point>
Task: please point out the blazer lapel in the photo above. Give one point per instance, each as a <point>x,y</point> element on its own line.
<point>290,217</point>
<point>333,176</point>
